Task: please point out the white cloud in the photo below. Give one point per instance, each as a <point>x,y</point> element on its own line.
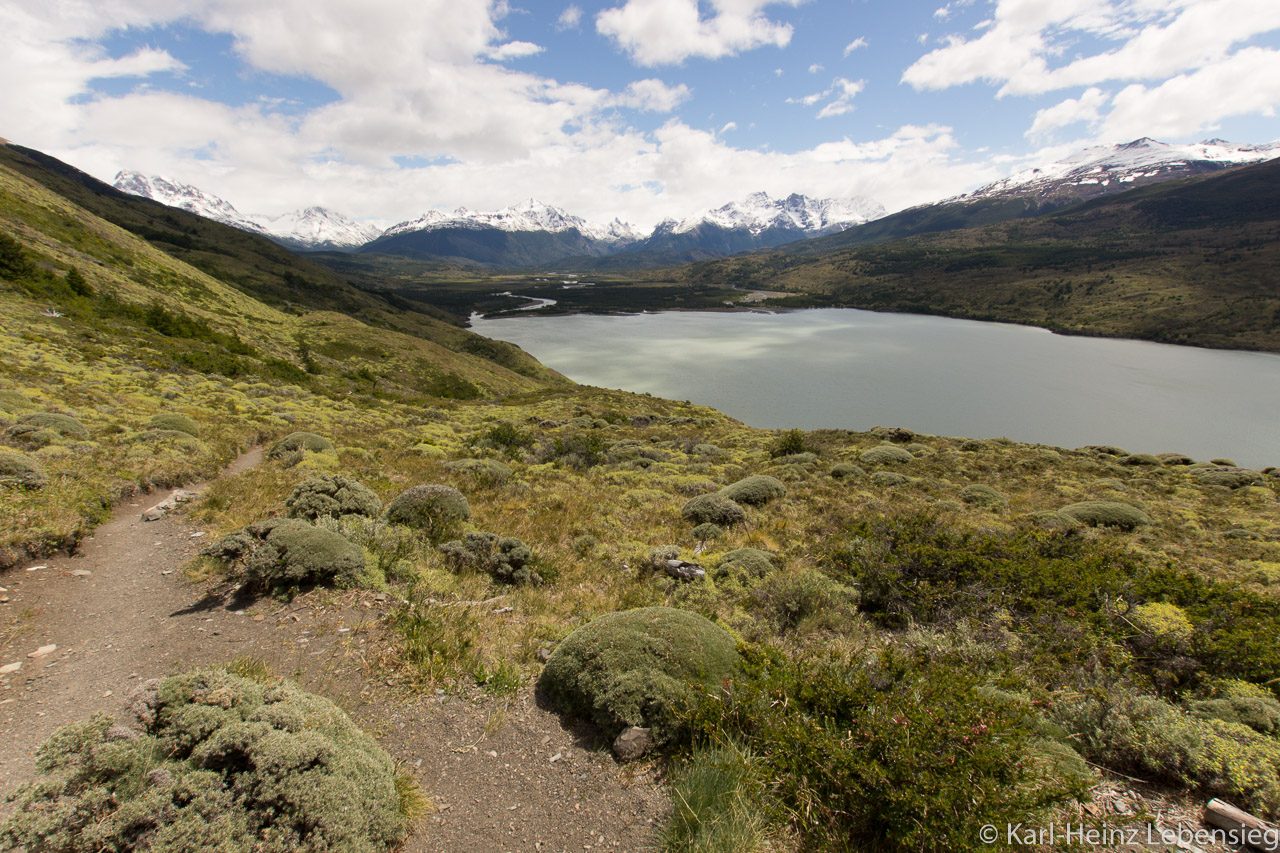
<point>569,19</point>
<point>667,32</point>
<point>513,50</point>
<point>859,42</point>
<point>815,68</point>
<point>1157,38</point>
<point>414,81</point>
<point>653,95</point>
<point>1247,83</point>
<point>839,97</point>
<point>1069,112</point>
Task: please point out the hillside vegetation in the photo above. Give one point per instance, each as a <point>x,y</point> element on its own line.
<point>1187,262</point>
<point>928,633</point>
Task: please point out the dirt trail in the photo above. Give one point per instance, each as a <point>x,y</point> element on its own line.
<point>501,775</point>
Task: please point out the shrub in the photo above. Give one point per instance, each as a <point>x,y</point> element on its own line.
<point>891,754</point>
<point>1141,459</point>
<point>1224,462</point>
<point>1232,478</point>
<point>212,761</point>
<point>847,469</point>
<point>1260,713</point>
<point>789,443</point>
<point>886,454</point>
<point>713,509</point>
<point>502,436</point>
<point>1164,622</point>
<point>745,566</point>
<point>1137,733</point>
<point>1107,514</point>
<point>888,478</point>
<point>708,450</point>
<point>983,496</point>
<point>638,668</point>
<point>432,508</point>
<point>484,470</point>
<point>1175,459</point>
<point>707,531</point>
<point>296,442</point>
<point>332,496</point>
<point>755,490</point>
<point>40,427</point>
<point>790,600</point>
<point>20,471</point>
<point>175,421</point>
<point>294,553</point>
<point>506,559</point>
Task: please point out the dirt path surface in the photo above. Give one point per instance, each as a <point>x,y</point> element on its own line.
<point>501,775</point>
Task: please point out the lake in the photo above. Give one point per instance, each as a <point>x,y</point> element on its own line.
<point>842,368</point>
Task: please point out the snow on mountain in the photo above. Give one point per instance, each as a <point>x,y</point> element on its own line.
<point>1108,168</point>
<point>313,228</point>
<point>758,212</point>
<point>530,215</point>
<point>319,227</point>
<point>185,197</point>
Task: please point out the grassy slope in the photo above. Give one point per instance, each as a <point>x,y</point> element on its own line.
<point>1189,262</point>
<point>104,361</point>
<point>599,479</point>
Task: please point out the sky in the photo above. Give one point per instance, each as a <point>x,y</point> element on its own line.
<point>635,109</point>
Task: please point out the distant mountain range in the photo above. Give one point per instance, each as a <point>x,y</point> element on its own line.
<point>1104,169</point>
<point>312,229</point>
<point>534,234</point>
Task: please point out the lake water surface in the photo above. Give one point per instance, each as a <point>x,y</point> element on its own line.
<point>847,369</point>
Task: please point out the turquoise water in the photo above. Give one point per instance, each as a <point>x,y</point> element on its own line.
<point>848,369</point>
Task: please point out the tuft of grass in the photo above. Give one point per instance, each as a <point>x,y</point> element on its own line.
<point>716,803</point>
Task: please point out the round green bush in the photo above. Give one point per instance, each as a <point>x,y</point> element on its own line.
<point>1224,462</point>
<point>973,445</point>
<point>21,471</point>
<point>432,508</point>
<point>889,478</point>
<point>41,428</point>
<point>638,668</point>
<point>744,565</point>
<point>1175,459</point>
<point>295,553</point>
<point>485,470</point>
<point>1107,514</point>
<point>175,421</point>
<point>332,496</point>
<point>713,509</point>
<point>847,469</point>
<point>707,531</point>
<point>296,442</point>
<point>983,496</point>
<point>212,761</point>
<point>1231,478</point>
<point>755,490</point>
<point>886,454</point>
<point>1141,459</point>
<point>705,450</point>
<point>1260,713</point>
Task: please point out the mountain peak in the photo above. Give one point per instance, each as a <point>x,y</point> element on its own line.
<point>313,228</point>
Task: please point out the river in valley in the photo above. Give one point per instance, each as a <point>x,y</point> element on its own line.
<point>848,369</point>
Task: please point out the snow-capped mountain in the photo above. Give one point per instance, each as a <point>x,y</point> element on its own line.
<point>758,213</point>
<point>320,228</point>
<point>1105,169</point>
<point>185,197</point>
<point>531,215</point>
<point>313,228</point>
<point>756,222</point>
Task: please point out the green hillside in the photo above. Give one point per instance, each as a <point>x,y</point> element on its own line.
<point>894,638</point>
<point>1189,262</point>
